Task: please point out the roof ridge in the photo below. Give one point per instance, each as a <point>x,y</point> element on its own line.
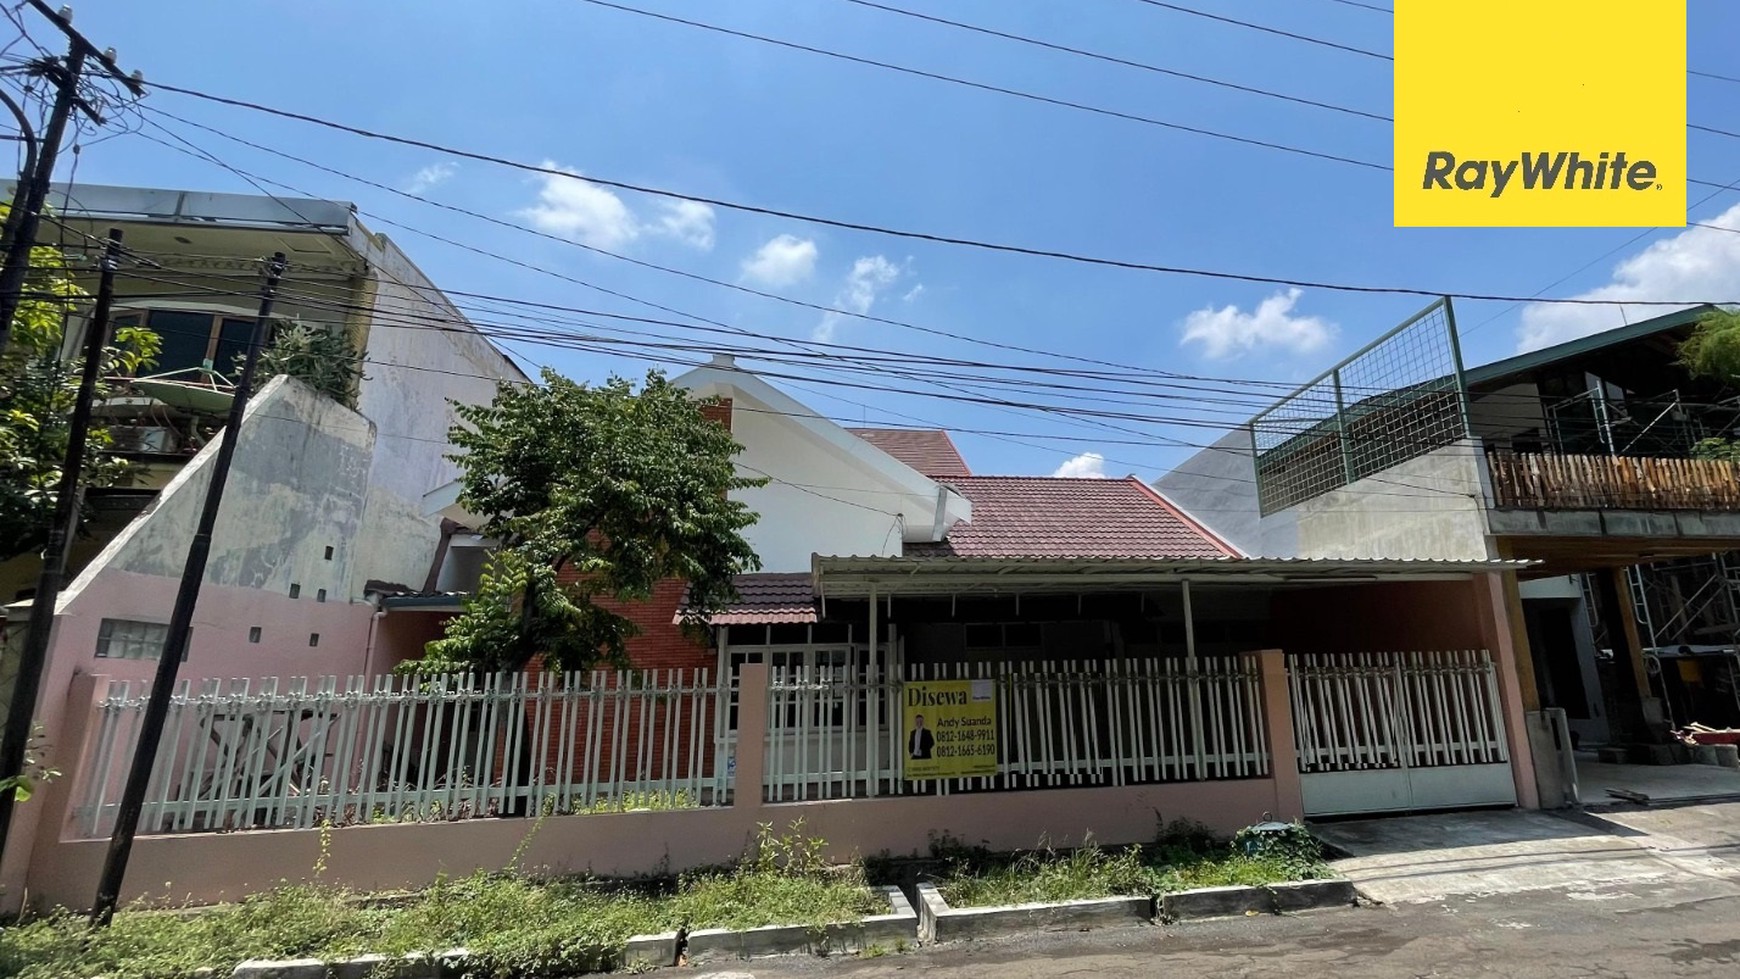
<point>1188,518</point>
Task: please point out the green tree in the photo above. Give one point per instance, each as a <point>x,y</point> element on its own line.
<point>322,358</point>
<point>1713,349</point>
<point>37,392</point>
<point>626,488</point>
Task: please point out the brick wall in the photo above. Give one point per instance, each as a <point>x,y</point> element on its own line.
<point>661,647</point>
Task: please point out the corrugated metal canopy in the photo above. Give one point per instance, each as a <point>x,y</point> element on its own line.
<point>853,577</point>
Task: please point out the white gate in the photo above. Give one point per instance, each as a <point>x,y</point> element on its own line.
<point>1382,732</point>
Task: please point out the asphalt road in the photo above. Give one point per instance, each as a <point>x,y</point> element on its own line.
<point>1672,914</point>
<point>1525,936</point>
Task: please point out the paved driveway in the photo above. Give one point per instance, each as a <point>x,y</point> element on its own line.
<point>1414,859</point>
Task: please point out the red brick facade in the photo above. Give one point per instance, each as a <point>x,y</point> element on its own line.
<point>661,646</point>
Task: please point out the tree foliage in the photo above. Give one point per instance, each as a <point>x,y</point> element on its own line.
<point>621,489</point>
<point>37,393</point>
<point>322,358</point>
<point>1713,349</point>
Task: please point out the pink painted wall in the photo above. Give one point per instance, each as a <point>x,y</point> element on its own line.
<point>220,649</point>
<point>221,866</point>
<point>1415,615</point>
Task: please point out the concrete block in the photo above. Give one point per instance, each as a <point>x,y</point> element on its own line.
<point>1216,902</point>
<point>1552,757</point>
<point>281,969</point>
<point>938,922</point>
<point>1704,754</point>
<point>447,965</point>
<point>900,925</point>
<point>1613,755</point>
<point>1308,895</point>
<point>1727,755</point>
<point>650,951</point>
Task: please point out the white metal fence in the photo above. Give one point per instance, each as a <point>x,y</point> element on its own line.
<point>1064,723</point>
<point>1358,711</point>
<point>263,754</point>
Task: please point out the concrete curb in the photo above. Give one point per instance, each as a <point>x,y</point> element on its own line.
<point>1310,895</point>
<point>900,925</point>
<point>1216,902</point>
<point>651,951</point>
<point>447,965</point>
<point>940,923</point>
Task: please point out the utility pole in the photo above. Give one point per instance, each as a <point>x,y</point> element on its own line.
<point>181,620</point>
<point>21,714</point>
<point>34,183</point>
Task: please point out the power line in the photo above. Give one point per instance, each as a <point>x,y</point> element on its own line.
<point>1627,243</point>
<point>987,87</point>
<point>1196,389</point>
<point>1364,6</point>
<point>604,345</point>
<point>1321,42</point>
<point>1731,134</point>
<point>934,238</point>
<point>1126,62</point>
<point>1123,369</point>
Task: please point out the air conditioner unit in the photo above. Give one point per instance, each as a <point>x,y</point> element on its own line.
<point>142,438</point>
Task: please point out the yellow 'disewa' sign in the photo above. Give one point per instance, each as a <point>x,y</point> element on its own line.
<point>1540,113</point>
<point>950,729</point>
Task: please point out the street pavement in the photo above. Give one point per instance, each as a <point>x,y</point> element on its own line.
<point>1646,892</point>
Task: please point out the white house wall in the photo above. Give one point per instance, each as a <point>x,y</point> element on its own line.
<point>421,353</point>
<point>1217,487</point>
<point>1430,507</point>
<point>822,501</point>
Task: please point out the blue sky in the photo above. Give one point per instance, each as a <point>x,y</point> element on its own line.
<point>625,97</point>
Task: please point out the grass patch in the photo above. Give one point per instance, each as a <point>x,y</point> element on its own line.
<point>1183,856</point>
<point>513,924</point>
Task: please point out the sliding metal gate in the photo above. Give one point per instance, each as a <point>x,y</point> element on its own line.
<point>1381,732</point>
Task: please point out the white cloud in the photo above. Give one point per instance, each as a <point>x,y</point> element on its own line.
<point>913,293</point>
<point>871,276</point>
<point>430,177</point>
<point>784,260</point>
<point>573,207</point>
<point>690,222</point>
<point>1088,465</point>
<point>1271,326</point>
<point>1698,264</point>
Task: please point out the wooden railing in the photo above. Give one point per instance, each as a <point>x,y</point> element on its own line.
<point>1535,481</point>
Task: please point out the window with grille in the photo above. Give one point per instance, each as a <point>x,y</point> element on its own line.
<point>128,639</point>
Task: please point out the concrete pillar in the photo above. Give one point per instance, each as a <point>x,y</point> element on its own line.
<point>1283,750</point>
<point>746,784</point>
<point>39,824</point>
<point>1496,633</point>
<point>1627,615</point>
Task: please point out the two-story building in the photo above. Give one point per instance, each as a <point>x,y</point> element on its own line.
<point>1579,458</point>
<point>324,508</point>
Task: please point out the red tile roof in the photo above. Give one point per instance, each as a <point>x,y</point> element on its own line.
<point>765,599</point>
<point>928,450</point>
<point>1045,516</point>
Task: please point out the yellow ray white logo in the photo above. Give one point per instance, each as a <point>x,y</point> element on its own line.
<point>1549,113</point>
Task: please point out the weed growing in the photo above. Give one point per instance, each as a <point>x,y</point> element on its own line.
<point>511,923</point>
<point>1183,856</point>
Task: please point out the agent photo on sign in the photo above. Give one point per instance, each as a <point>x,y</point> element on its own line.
<point>921,742</point>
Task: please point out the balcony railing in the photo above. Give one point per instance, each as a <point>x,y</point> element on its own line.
<point>1537,481</point>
